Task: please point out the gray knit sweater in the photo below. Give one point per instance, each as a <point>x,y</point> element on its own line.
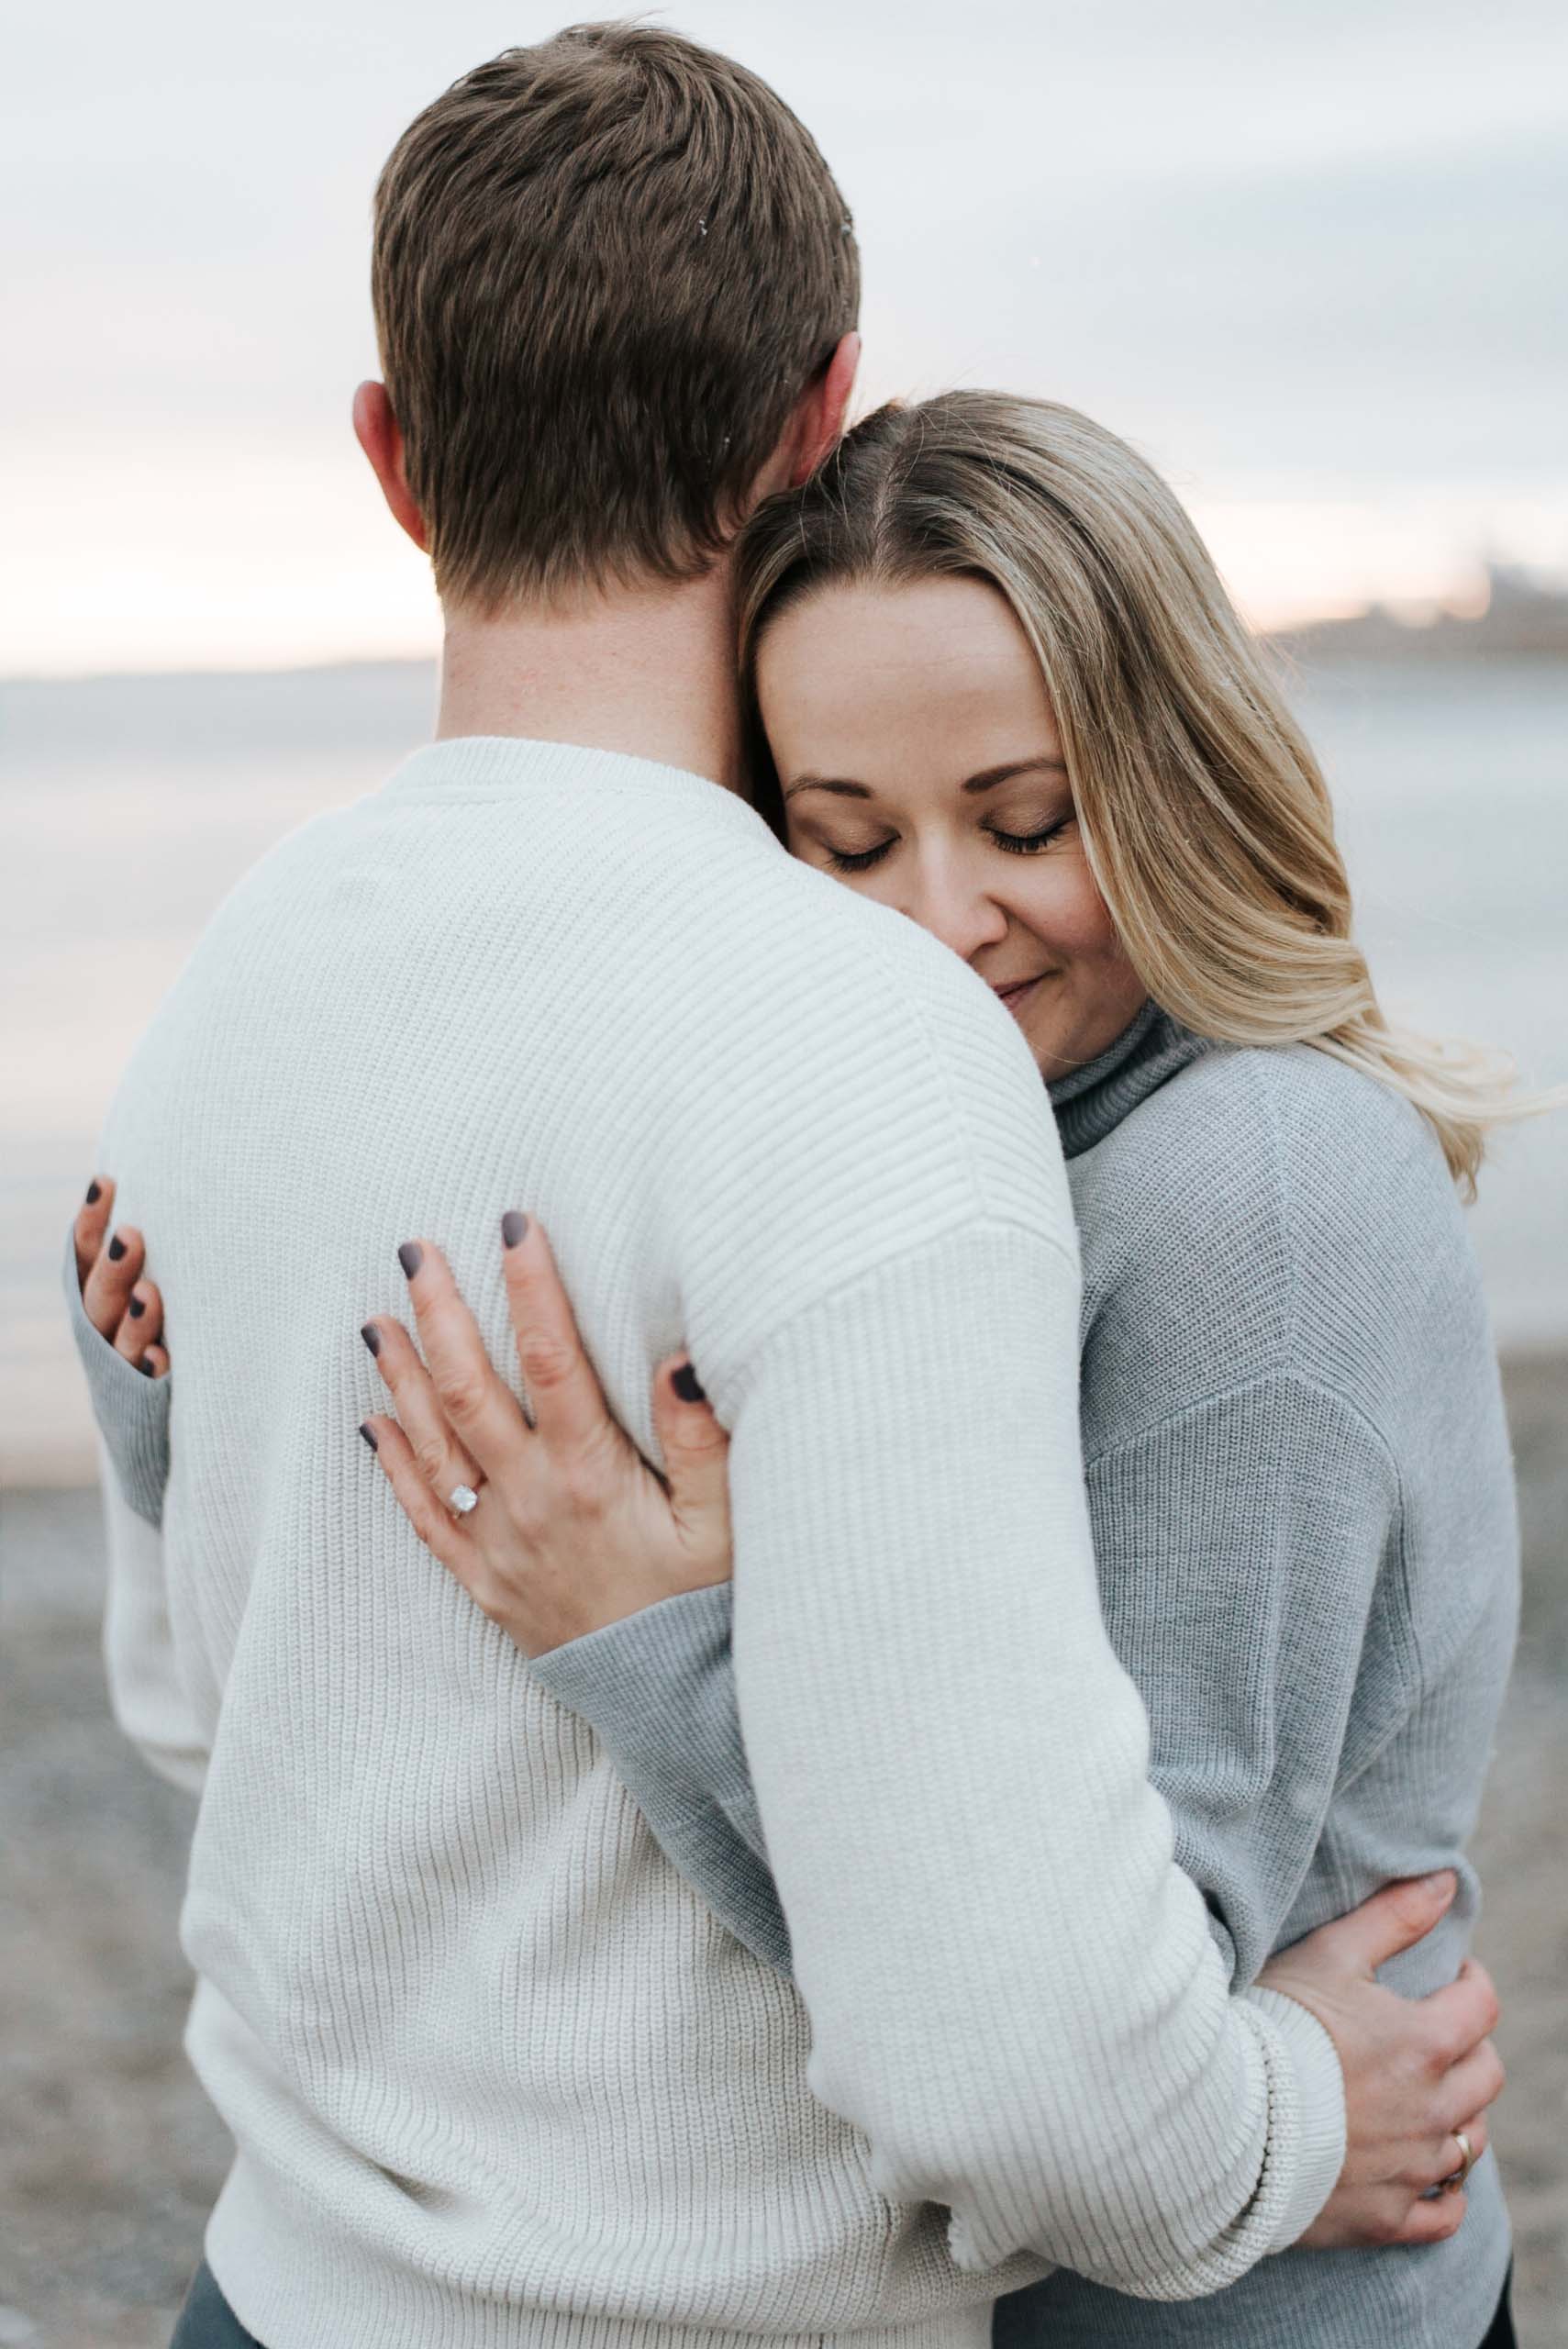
<point>1303,1507</point>
<point>1304,1520</point>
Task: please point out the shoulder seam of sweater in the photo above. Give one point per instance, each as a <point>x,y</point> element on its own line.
<point>1283,1372</point>
<point>1285,1376</point>
<point>955,1227</point>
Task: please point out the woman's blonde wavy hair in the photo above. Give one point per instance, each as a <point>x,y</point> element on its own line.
<point>1205,815</point>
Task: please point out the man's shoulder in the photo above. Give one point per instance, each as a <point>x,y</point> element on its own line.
<point>866,1020</point>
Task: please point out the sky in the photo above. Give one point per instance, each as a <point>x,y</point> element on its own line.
<point>1314,261</point>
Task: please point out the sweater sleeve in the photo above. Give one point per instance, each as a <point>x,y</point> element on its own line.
<point>131,1410</point>
<point>658,1690</point>
<point>1239,1543</point>
<point>1012,1987</point>
<point>132,1415</point>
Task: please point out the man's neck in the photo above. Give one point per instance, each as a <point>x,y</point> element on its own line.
<point>649,672</point>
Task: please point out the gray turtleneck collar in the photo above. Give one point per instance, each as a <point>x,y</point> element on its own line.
<point>1093,1101</point>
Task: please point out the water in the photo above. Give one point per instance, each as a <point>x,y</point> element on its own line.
<point>130,806</point>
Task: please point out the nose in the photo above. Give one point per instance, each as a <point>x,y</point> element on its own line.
<point>953,908</point>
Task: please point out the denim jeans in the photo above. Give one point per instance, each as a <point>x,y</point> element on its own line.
<point>207,2320</point>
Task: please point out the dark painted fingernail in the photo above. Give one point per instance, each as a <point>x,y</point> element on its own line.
<point>410,1256</point>
<point>95,1192</point>
<point>514,1225</point>
<point>148,1367</point>
<point>137,1307</point>
<point>369,1434</point>
<point>372,1337</point>
<point>117,1249</point>
<point>688,1385</point>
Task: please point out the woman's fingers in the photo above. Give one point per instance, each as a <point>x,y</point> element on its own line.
<point>437,1528</point>
<point>92,1225</point>
<point>143,1321</point>
<point>477,1404</point>
<point>106,1294</point>
<point>442,1460</point>
<point>565,1398</point>
<point>120,1305</point>
<point>696,1461</point>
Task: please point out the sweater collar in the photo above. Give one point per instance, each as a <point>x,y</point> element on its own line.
<point>496,766</point>
<point>1094,1100</point>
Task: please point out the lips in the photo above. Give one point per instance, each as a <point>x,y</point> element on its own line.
<point>1015,991</point>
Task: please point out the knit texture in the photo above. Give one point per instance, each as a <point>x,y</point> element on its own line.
<point>497,2074</point>
<point>1303,1512</point>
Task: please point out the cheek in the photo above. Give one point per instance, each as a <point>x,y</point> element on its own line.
<point>1062,905</point>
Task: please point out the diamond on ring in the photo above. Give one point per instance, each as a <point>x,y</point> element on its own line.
<point>462,1499</point>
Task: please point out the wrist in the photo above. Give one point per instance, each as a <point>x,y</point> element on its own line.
<point>1317,2093</point>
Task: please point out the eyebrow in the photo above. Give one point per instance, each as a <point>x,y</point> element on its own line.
<point>986,780</point>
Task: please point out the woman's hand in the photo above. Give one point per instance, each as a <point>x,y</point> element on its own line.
<point>1416,2070</point>
<point>571,1528</point>
<point>120,1303</point>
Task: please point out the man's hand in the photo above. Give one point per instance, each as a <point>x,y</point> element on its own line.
<point>1416,2069</point>
<point>120,1303</point>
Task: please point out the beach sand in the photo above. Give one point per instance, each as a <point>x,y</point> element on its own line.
<point>109,2155</point>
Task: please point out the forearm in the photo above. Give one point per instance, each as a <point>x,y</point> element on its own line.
<point>1013,1991</point>
<point>658,1689</point>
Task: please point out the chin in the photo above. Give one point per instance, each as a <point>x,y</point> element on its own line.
<point>1057,1055</point>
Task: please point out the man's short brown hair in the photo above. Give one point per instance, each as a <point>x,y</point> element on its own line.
<point>606,268</point>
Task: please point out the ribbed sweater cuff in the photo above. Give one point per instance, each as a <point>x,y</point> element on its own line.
<point>131,1410</point>
<point>1320,2092</point>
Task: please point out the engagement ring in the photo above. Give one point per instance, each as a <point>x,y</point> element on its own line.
<point>462,1499</point>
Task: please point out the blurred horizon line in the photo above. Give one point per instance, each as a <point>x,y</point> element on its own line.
<point>1518,608</point>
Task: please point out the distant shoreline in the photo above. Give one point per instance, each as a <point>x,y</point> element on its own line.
<point>1519,619</point>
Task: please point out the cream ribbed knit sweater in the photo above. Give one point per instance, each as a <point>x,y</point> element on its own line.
<point>496,2073</point>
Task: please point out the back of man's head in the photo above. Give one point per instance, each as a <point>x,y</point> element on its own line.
<point>606,268</point>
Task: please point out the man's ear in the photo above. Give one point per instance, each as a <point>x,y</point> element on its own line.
<point>819,417</point>
<point>375,429</point>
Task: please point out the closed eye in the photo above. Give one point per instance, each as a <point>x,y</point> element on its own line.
<point>860,861</point>
<point>1028,843</point>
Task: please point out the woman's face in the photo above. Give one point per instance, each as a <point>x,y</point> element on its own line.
<point>919,760</point>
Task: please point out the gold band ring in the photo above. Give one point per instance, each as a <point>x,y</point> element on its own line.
<point>1455,2180</point>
